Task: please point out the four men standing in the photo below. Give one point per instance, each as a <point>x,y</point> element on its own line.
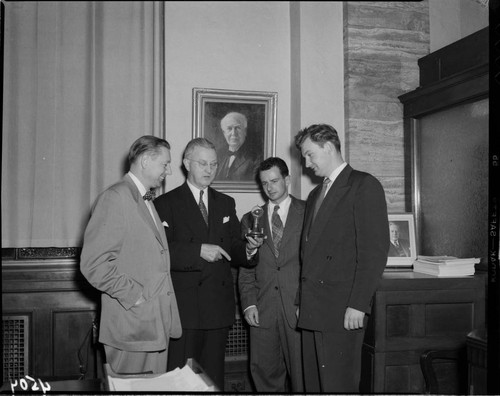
<point>321,263</point>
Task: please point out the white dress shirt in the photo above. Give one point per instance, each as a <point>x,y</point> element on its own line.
<point>196,193</point>
<point>142,191</point>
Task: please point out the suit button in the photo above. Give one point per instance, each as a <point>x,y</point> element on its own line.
<point>199,284</point>
<point>303,279</point>
<point>279,268</point>
<point>276,287</point>
<point>169,293</point>
<point>321,282</point>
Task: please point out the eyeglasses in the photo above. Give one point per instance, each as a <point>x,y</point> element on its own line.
<point>205,164</point>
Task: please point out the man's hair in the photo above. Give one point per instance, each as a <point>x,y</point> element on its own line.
<point>274,161</point>
<point>235,114</point>
<point>197,142</point>
<point>146,144</point>
<point>319,134</point>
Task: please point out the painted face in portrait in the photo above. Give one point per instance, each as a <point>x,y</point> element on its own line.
<point>201,166</point>
<point>234,127</point>
<point>275,186</point>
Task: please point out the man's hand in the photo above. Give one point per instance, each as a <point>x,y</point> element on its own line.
<point>252,316</point>
<point>253,244</point>
<point>353,319</point>
<point>213,253</point>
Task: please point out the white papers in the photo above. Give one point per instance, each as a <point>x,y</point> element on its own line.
<point>180,380</point>
<point>445,266</point>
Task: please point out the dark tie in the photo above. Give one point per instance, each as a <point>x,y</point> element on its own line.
<point>203,208</point>
<point>277,230</point>
<point>150,195</point>
<point>322,194</point>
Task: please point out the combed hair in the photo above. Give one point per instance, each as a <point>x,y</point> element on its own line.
<point>197,142</point>
<point>274,161</point>
<point>146,144</point>
<point>319,134</point>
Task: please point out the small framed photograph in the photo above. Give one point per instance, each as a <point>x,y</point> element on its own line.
<point>403,246</point>
<point>242,126</point>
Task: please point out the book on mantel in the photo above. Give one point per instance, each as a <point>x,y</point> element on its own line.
<point>445,266</point>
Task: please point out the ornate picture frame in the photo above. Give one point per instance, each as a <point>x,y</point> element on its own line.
<point>402,253</point>
<point>210,107</point>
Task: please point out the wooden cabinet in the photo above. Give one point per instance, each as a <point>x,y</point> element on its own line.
<point>413,313</point>
<point>53,307</point>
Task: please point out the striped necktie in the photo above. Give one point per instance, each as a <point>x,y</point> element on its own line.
<point>277,230</point>
<point>203,208</point>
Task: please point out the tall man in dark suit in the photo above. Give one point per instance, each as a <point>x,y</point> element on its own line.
<point>268,290</point>
<point>125,255</point>
<point>205,240</point>
<point>238,161</point>
<point>344,252</point>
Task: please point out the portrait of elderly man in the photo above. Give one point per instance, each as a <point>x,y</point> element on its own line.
<point>237,161</point>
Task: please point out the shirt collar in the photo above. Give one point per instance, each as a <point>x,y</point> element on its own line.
<point>137,182</point>
<point>284,205</point>
<point>336,172</point>
<point>196,191</point>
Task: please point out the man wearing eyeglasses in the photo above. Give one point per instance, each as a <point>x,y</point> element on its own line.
<point>204,237</point>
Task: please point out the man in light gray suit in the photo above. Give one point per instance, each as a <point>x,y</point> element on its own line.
<point>268,290</point>
<point>125,255</point>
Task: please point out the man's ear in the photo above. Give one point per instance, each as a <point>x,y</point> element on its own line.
<point>144,161</point>
<point>186,163</point>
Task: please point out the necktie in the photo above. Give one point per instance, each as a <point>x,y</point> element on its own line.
<point>277,230</point>
<point>150,195</point>
<point>203,208</point>
<point>322,194</point>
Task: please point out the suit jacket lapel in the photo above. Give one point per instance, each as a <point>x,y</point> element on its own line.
<point>338,189</point>
<point>292,222</point>
<point>192,211</point>
<point>267,228</point>
<point>144,211</point>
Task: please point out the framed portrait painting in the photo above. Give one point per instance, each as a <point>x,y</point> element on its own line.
<point>242,126</point>
<point>403,246</point>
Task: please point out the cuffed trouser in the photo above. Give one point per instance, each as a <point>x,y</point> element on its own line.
<point>332,361</point>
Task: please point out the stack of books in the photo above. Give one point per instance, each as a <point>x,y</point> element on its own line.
<point>445,266</point>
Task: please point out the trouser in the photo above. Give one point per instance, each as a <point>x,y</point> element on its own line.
<point>332,360</point>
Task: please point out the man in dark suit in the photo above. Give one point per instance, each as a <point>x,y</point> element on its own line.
<point>399,247</point>
<point>268,290</point>
<point>125,255</point>
<point>238,161</point>
<point>205,240</point>
<point>344,252</point>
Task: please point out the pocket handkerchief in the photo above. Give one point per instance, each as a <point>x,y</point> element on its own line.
<point>225,219</point>
<point>165,224</point>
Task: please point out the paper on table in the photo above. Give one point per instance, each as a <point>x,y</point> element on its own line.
<point>181,380</point>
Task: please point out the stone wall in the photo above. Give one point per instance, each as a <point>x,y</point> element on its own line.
<point>382,43</point>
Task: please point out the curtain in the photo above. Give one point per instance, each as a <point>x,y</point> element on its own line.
<point>82,81</point>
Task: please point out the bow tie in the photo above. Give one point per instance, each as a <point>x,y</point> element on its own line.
<point>150,195</point>
<point>230,153</point>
